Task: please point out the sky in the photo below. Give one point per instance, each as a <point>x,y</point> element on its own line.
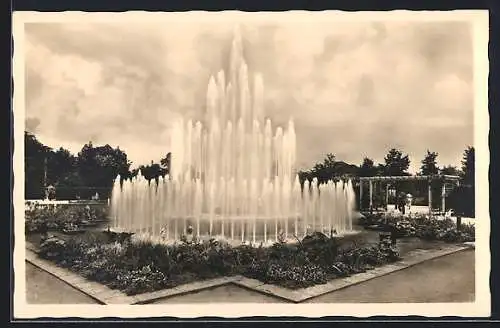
<point>354,89</point>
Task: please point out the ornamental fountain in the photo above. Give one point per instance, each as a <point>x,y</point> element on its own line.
<point>232,176</point>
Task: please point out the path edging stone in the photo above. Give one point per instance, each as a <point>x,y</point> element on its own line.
<point>300,295</point>
<point>106,295</point>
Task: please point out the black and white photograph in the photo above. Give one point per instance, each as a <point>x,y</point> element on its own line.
<point>211,162</point>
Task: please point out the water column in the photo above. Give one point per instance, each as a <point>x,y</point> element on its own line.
<point>351,199</point>
<point>168,208</point>
<point>232,169</point>
<point>198,198</point>
<point>177,208</point>
<point>321,205</point>
<point>314,203</point>
<point>115,204</point>
<point>330,208</point>
<point>159,203</point>
<point>306,194</point>
<point>297,198</point>
<point>232,204</point>
<point>253,207</point>
<point>130,204</point>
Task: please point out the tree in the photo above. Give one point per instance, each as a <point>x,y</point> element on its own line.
<point>367,168</point>
<point>166,162</point>
<point>99,166</point>
<point>462,199</point>
<point>396,163</point>
<point>304,175</point>
<point>450,170</point>
<point>345,170</point>
<point>325,170</point>
<point>93,170</point>
<point>35,157</point>
<point>59,164</point>
<point>328,162</point>
<point>380,169</point>
<point>468,166</point>
<point>70,186</point>
<point>329,169</point>
<point>429,164</point>
<point>152,171</point>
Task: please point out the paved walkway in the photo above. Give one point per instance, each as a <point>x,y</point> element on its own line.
<point>44,288</point>
<point>446,279</point>
<point>449,278</point>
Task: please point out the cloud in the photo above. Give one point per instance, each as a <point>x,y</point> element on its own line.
<point>354,89</point>
<point>32,124</point>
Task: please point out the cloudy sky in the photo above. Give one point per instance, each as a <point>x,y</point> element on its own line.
<point>354,89</point>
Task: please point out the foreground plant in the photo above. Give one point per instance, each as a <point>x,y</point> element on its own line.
<point>42,218</point>
<point>422,226</point>
<point>138,266</point>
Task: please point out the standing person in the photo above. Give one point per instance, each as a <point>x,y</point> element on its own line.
<point>402,202</point>
<point>409,199</point>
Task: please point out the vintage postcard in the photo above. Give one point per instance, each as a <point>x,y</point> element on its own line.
<point>324,163</point>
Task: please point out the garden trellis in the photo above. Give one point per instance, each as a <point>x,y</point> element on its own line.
<point>446,180</point>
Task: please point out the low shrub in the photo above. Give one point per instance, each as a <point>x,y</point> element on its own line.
<point>43,218</point>
<point>145,279</point>
<point>422,226</point>
<point>140,266</point>
<point>317,258</point>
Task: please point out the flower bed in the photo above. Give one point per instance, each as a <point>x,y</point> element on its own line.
<point>71,218</point>
<point>421,226</point>
<point>138,266</point>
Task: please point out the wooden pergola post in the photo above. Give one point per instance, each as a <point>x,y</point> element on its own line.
<point>396,179</point>
<point>386,196</point>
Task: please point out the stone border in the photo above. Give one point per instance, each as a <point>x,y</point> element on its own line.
<point>97,291</point>
<point>412,258</point>
<point>106,295</point>
<point>195,286</point>
<point>470,244</point>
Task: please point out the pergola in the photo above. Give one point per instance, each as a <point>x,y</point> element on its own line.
<point>429,178</point>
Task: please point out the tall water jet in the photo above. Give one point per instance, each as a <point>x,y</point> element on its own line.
<point>232,174</point>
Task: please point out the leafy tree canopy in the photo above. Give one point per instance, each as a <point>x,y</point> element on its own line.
<point>367,168</point>
<point>468,166</point>
<point>396,163</point>
<point>429,164</point>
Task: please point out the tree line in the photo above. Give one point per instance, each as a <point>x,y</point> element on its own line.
<point>94,169</point>
<point>396,163</point>
<point>91,171</point>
